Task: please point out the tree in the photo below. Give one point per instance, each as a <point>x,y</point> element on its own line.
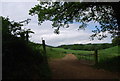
<point>18,55</point>
<point>63,13</point>
<point>116,41</point>
<point>11,29</point>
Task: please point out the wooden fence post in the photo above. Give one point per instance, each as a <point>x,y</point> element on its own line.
<point>43,43</point>
<point>44,49</point>
<point>27,36</point>
<point>96,56</point>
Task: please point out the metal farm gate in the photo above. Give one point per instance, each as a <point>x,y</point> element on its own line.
<point>89,58</point>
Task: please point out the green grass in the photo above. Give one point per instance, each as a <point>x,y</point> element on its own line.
<point>103,55</point>
<point>108,53</point>
<point>61,52</point>
<point>112,64</point>
<point>55,52</point>
<point>109,59</point>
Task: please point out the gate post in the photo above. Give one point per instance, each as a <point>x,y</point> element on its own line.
<point>27,36</point>
<point>43,43</point>
<point>96,56</point>
<point>44,49</point>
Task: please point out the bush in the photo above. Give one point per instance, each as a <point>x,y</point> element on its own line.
<point>116,41</point>
<point>21,61</point>
<point>112,64</point>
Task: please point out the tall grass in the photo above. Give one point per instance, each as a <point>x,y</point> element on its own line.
<point>108,53</point>
<point>109,59</point>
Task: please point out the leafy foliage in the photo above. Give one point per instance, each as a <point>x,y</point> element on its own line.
<point>116,41</point>
<point>20,59</point>
<point>14,29</point>
<point>63,13</point>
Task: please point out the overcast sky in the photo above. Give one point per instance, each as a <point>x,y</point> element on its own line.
<point>18,11</point>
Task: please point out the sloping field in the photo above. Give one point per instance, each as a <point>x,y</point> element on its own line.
<point>109,59</point>
<point>61,52</point>
<point>109,53</point>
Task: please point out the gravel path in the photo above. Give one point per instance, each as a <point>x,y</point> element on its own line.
<point>69,67</point>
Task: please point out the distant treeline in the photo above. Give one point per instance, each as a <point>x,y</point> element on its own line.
<point>88,47</point>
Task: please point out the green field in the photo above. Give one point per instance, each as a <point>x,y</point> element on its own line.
<point>109,58</point>
<point>104,54</point>
<point>108,53</point>
<point>61,52</point>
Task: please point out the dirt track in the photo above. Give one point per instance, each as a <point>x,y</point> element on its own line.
<point>71,68</point>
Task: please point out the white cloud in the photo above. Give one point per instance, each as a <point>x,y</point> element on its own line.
<point>19,1</point>
<point>61,0</point>
<point>19,11</point>
<point>0,8</point>
<point>67,36</point>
